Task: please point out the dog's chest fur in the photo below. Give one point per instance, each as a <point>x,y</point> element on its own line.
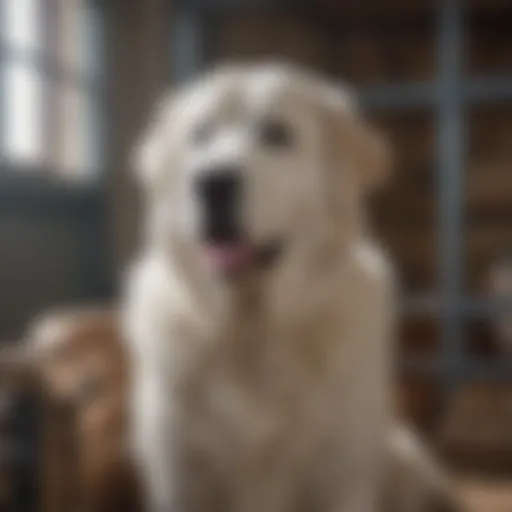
<point>257,388</point>
<point>261,401</point>
<point>256,410</point>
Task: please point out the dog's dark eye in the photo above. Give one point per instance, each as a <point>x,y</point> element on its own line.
<point>202,133</point>
<point>275,133</point>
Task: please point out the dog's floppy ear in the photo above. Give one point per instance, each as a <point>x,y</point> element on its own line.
<point>357,144</point>
<point>356,141</point>
<point>151,151</point>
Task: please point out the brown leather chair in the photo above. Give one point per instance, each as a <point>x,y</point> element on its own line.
<point>73,369</point>
<point>83,363</point>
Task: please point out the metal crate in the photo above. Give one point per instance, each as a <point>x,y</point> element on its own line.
<point>448,95</point>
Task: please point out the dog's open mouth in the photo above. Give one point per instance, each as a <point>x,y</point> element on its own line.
<point>236,258</point>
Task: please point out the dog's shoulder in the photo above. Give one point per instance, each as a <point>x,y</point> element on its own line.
<point>142,278</point>
<point>151,281</point>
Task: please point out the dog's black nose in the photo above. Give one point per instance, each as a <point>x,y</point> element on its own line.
<point>219,185</point>
<point>219,192</point>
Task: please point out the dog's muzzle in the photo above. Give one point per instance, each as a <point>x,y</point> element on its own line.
<point>219,192</point>
<point>227,249</point>
<point>234,260</point>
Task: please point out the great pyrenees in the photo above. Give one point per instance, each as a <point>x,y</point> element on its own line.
<point>259,311</point>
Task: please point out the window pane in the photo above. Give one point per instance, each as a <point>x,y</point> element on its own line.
<point>22,23</point>
<point>78,135</point>
<point>23,113</point>
<point>80,36</point>
<point>70,124</point>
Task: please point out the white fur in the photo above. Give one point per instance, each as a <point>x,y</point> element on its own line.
<point>270,393</point>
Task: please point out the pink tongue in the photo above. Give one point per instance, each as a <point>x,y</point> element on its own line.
<point>226,257</point>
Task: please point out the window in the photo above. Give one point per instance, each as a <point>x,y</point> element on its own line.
<point>51,87</point>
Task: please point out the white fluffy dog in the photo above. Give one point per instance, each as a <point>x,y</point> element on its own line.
<point>259,311</point>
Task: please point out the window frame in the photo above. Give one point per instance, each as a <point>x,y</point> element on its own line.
<point>25,182</point>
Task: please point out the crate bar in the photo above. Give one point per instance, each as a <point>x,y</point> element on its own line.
<point>469,369</point>
<point>481,309</point>
<point>397,96</point>
<point>427,94</point>
<point>431,305</point>
<point>488,90</point>
<point>450,182</point>
<point>472,369</point>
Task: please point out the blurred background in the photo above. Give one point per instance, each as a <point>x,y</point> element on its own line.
<point>79,77</point>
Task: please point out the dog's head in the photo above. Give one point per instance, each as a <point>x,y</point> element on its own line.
<point>250,162</point>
